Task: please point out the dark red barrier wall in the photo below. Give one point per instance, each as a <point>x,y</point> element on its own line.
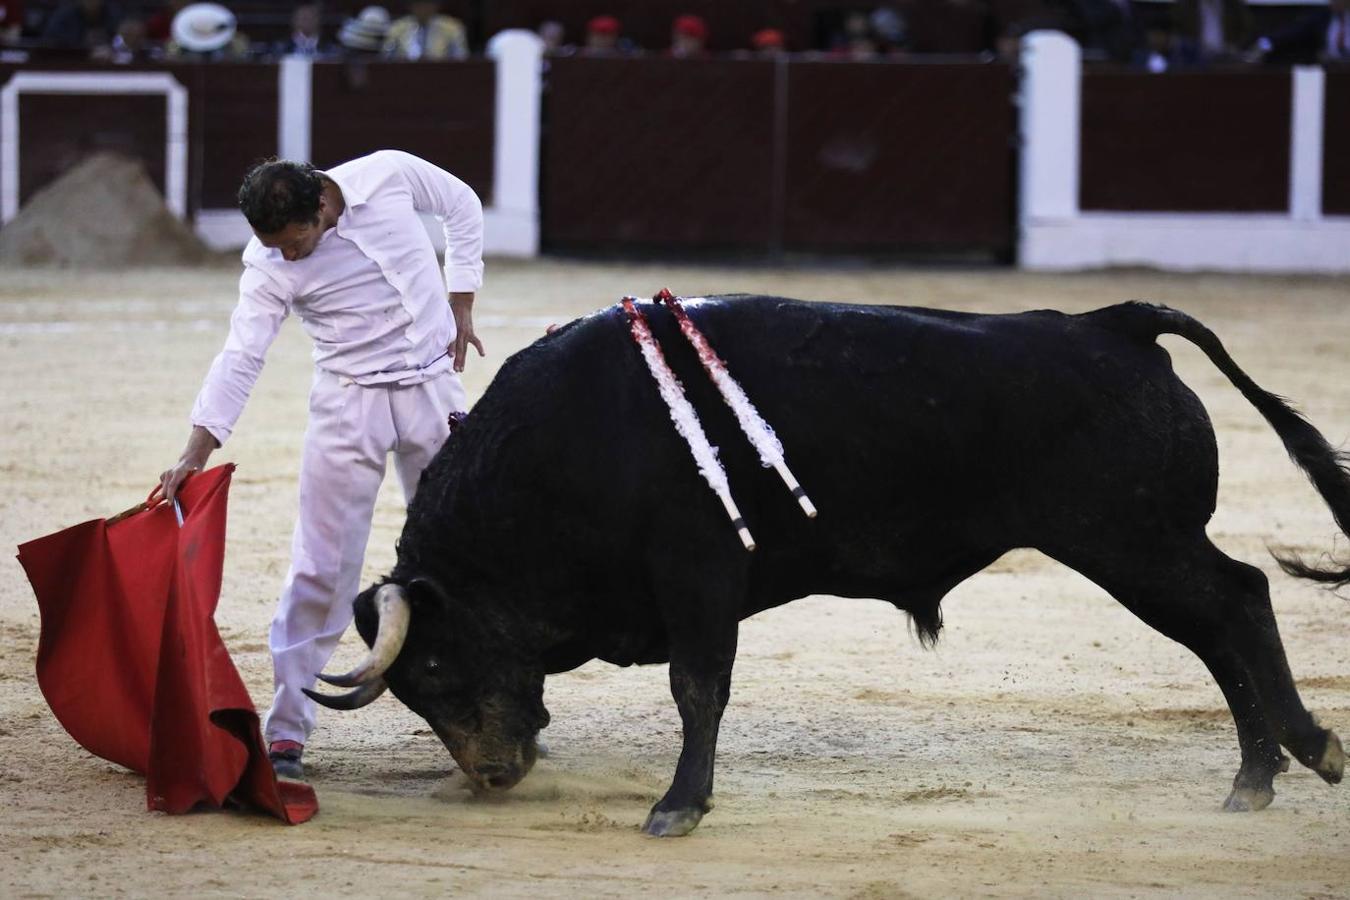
<point>57,131</point>
<point>1336,144</point>
<point>665,153</point>
<point>899,156</point>
<point>442,112</point>
<point>233,127</point>
<point>759,155</point>
<point>1185,142</point>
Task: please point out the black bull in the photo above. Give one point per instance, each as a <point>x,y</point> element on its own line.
<point>565,519</point>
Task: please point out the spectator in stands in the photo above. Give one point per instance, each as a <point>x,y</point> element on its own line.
<point>948,26</point>
<point>306,35</point>
<point>554,35</point>
<point>130,45</point>
<point>364,35</point>
<point>1013,19</point>
<point>769,43</point>
<point>1322,35</point>
<point>1160,53</point>
<point>157,26</point>
<point>857,41</point>
<point>890,30</point>
<point>205,32</point>
<point>688,37</point>
<point>82,23</point>
<point>1008,44</point>
<point>426,34</point>
<point>1206,31</point>
<point>604,37</point>
<point>11,21</point>
<point>1109,29</point>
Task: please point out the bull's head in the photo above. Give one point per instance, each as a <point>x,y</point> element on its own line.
<point>456,671</point>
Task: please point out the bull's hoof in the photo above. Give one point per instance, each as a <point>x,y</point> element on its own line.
<point>1247,799</point>
<point>1332,764</point>
<point>1253,786</point>
<point>672,822</point>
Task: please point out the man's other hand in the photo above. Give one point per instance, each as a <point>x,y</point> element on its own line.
<point>461,307</point>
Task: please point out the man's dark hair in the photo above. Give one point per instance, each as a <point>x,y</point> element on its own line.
<point>278,192</point>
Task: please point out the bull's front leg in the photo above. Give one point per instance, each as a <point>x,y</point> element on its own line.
<point>700,681</point>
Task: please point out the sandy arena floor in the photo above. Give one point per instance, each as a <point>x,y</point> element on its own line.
<point>1051,745</point>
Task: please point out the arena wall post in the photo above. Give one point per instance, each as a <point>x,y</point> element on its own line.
<point>1056,233</point>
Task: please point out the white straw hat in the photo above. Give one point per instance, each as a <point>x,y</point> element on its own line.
<point>366,31</point>
<point>203,27</point>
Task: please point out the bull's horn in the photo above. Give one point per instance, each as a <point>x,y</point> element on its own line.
<point>391,604</point>
<point>352,699</point>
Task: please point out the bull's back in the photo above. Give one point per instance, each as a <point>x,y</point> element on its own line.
<point>958,415</point>
<point>926,439</point>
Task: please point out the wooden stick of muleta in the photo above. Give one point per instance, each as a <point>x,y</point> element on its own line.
<point>683,415</point>
<point>759,433</point>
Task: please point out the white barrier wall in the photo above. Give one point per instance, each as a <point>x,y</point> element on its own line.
<point>74,83</point>
<point>1055,235</point>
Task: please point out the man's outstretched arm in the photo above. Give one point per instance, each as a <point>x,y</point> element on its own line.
<point>253,327</point>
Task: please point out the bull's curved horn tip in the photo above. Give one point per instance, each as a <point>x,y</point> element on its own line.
<point>362,696</point>
<point>348,679</point>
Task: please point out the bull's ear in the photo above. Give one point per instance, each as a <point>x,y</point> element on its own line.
<point>367,619</point>
<point>430,599</point>
<point>427,591</point>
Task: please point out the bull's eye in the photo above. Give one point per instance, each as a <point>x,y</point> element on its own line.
<point>433,667</point>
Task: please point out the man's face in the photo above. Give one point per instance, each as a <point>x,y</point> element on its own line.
<point>132,33</point>
<point>296,241</point>
<point>424,10</point>
<point>601,40</point>
<point>306,20</point>
<point>686,44</point>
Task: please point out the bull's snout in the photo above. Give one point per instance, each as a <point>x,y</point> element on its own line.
<point>492,764</point>
<point>499,776</point>
<point>504,771</point>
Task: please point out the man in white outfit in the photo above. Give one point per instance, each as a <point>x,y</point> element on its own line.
<point>345,250</point>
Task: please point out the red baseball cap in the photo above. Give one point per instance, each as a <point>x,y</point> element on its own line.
<point>766,38</point>
<point>603,25</point>
<point>691,26</point>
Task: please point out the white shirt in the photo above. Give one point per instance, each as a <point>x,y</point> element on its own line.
<point>371,295</point>
<point>304,44</point>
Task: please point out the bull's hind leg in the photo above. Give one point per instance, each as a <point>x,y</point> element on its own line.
<point>1220,609</point>
<point>1257,637</point>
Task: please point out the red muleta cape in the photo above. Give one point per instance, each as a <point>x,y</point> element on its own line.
<point>132,665</point>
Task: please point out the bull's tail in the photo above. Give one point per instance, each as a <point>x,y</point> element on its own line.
<point>1327,468</point>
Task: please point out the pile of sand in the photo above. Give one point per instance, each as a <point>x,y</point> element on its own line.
<point>103,213</point>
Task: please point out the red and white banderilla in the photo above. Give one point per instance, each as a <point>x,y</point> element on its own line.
<point>759,433</point>
<point>682,414</point>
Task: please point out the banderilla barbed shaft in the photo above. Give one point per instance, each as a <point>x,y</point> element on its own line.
<point>758,432</point>
<point>686,420</point>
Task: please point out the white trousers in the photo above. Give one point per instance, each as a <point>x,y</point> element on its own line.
<point>351,432</point>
